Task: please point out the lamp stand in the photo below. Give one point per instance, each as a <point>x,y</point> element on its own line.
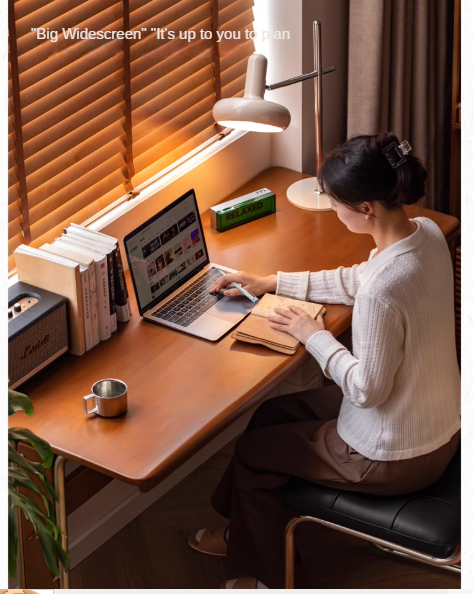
<point>305,193</point>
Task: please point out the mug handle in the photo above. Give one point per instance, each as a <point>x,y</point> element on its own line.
<point>92,410</point>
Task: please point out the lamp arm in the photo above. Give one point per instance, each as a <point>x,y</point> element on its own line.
<point>296,79</point>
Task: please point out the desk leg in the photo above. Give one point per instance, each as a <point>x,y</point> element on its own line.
<point>59,482</point>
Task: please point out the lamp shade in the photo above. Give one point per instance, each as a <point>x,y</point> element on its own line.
<point>252,112</point>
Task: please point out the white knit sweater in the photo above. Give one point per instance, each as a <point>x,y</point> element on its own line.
<point>401,386</point>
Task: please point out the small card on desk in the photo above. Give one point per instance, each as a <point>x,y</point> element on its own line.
<point>256,330</point>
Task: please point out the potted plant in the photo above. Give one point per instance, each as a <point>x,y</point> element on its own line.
<point>44,522</point>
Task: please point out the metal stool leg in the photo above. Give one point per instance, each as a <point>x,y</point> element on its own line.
<point>59,482</point>
<point>289,560</point>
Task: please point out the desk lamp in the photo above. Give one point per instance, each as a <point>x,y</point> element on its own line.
<point>255,114</point>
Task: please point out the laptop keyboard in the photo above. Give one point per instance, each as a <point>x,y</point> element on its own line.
<point>190,304</point>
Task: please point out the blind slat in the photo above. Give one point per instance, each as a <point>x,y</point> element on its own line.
<point>236,86</point>
<point>242,51</point>
<point>155,98</point>
<point>42,140</point>
<point>99,118</point>
<point>200,18</point>
<point>61,86</point>
<point>183,147</point>
<point>146,142</point>
<point>67,163</point>
<point>149,162</point>
<point>56,15</point>
<point>168,10</point>
<point>112,169</point>
<point>33,49</point>
<point>66,183</point>
<point>103,184</point>
<point>26,8</point>
<point>234,72</point>
<point>74,111</point>
<point>171,53</point>
<point>172,116</point>
<point>184,60</point>
<point>233,11</point>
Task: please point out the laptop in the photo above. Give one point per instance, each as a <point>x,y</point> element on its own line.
<point>171,272</point>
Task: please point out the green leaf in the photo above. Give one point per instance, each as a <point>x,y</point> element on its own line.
<point>63,557</point>
<point>12,541</point>
<point>49,488</point>
<point>19,402</point>
<point>49,549</point>
<point>33,467</point>
<point>42,447</point>
<point>44,524</point>
<point>16,458</point>
<point>27,505</point>
<point>33,512</point>
<point>21,479</point>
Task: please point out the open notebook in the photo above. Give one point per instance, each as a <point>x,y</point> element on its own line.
<point>255,328</point>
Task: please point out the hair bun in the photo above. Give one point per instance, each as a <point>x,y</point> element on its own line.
<point>358,171</point>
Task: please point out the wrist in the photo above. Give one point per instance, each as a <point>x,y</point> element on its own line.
<point>271,283</point>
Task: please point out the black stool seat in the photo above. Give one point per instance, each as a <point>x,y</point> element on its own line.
<point>427,521</point>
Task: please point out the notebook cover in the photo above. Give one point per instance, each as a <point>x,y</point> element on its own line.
<point>270,345</point>
<point>255,328</point>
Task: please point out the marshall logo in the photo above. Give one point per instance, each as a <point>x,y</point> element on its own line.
<point>31,349</point>
<point>239,212</point>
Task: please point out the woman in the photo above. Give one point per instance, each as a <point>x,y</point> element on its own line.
<point>391,424</point>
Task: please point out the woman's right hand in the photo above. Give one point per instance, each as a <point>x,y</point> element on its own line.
<point>258,285</point>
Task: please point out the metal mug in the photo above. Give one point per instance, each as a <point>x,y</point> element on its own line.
<point>110,398</point>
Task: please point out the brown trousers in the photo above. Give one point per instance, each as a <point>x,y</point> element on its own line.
<point>296,435</point>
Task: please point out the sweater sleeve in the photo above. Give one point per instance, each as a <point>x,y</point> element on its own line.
<point>327,286</point>
<point>366,380</point>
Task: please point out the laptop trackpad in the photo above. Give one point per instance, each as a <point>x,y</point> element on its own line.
<point>231,309</point>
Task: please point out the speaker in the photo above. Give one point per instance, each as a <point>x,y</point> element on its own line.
<point>37,331</point>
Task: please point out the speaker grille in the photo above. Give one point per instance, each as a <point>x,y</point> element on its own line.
<point>54,327</point>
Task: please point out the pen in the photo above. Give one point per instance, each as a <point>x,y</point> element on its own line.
<point>243,291</point>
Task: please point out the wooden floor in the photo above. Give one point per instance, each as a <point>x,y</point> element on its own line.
<point>152,551</point>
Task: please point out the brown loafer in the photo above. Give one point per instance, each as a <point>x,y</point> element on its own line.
<point>212,542</point>
<point>243,583</point>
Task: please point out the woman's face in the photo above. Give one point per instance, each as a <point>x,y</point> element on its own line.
<point>353,220</point>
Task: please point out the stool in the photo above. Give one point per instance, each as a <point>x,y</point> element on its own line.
<point>424,526</point>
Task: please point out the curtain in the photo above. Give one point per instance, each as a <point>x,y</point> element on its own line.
<point>399,78</point>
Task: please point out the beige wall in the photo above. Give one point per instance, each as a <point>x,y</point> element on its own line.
<point>295,147</point>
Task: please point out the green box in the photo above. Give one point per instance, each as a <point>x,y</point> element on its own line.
<point>244,209</point>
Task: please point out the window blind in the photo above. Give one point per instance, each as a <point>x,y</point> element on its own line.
<point>89,120</point>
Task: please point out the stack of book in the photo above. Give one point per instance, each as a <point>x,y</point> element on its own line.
<point>86,267</point>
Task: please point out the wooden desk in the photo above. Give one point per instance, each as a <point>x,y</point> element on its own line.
<point>183,390</point>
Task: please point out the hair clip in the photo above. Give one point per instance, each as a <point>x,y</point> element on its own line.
<point>396,154</point>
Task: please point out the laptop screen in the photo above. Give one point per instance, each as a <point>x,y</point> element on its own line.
<point>165,251</point>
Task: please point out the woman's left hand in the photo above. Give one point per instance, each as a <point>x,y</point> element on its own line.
<point>296,322</point>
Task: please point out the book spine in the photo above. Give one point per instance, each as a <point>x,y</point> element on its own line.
<point>93,305</point>
<point>84,277</point>
<point>120,290</point>
<point>80,348</point>
<point>111,293</point>
<point>122,271</point>
<point>103,303</point>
